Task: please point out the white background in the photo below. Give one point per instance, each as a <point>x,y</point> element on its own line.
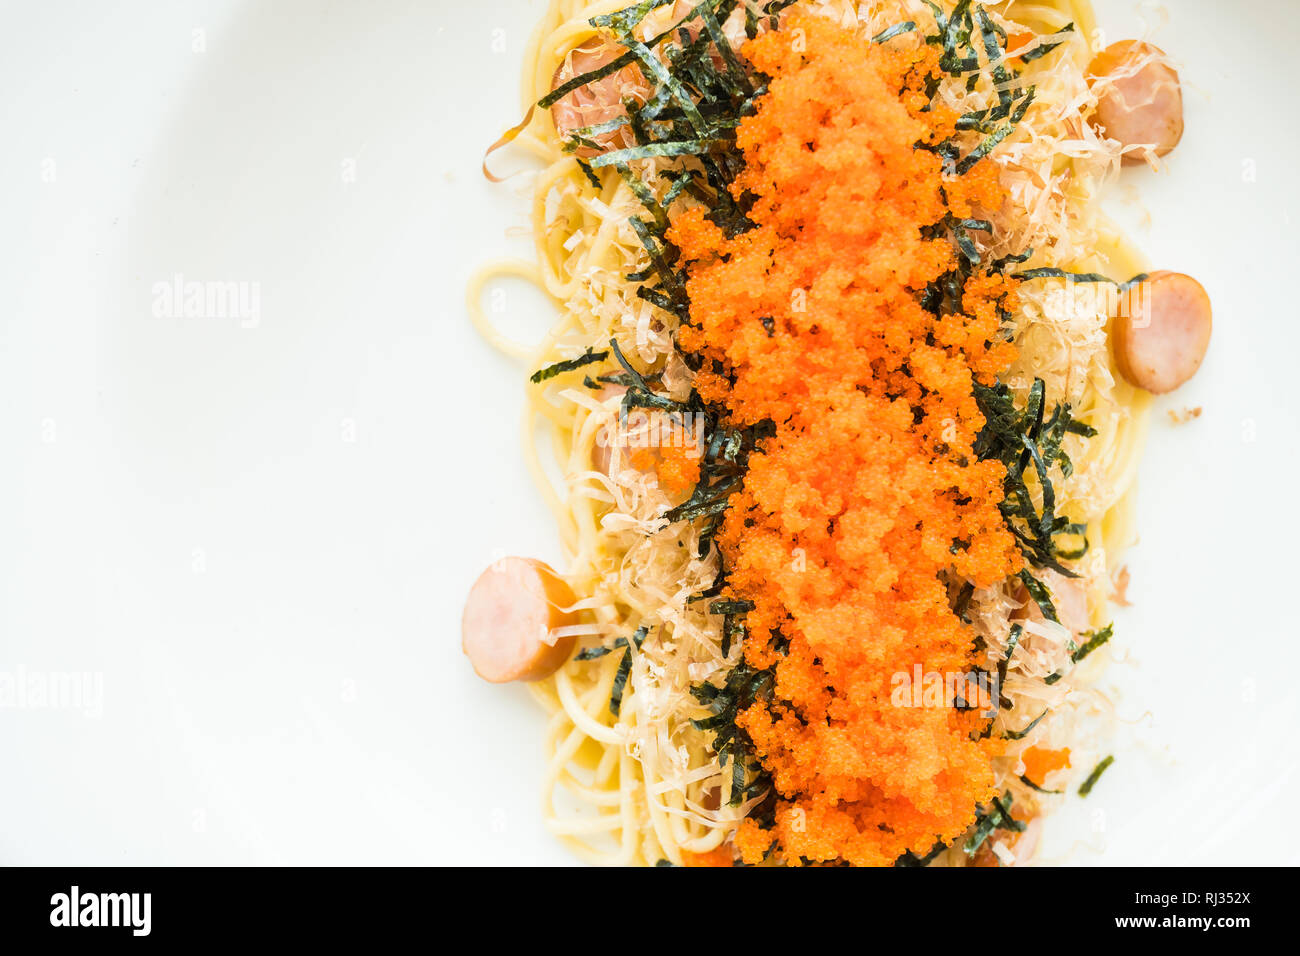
<point>261,536</point>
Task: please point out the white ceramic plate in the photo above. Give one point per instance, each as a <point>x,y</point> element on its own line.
<point>254,532</point>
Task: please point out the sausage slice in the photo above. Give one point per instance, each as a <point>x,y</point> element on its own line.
<point>1161,342</point>
<point>1143,103</point>
<point>509,615</point>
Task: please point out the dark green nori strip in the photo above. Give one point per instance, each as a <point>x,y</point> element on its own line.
<point>1046,48</point>
<point>910,859</point>
<point>719,39</point>
<point>994,50</point>
<point>1000,265</point>
<point>588,134</point>
<point>983,149</point>
<point>624,667</point>
<point>620,682</point>
<point>997,817</point>
<point>634,377</point>
<point>966,246</point>
<point>1008,821</point>
<point>567,87</point>
<point>658,257</point>
<point>1024,731</point>
<point>568,365</point>
<point>646,197</point>
<point>689,147</point>
<point>1033,786</point>
<point>1013,639</point>
<point>731,607</point>
<point>591,653</point>
<point>1095,640</point>
<point>1097,771</point>
<point>1054,273</point>
<point>661,301</point>
<point>591,176</point>
<point>1039,593</point>
<point>954,38</point>
<point>898,29</point>
<point>679,185</point>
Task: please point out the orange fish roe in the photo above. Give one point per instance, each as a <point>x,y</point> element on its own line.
<point>678,468</point>
<point>869,492</point>
<point>721,856</point>
<point>1039,763</point>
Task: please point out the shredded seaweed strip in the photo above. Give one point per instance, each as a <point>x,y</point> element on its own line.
<point>568,365</point>
<point>1024,731</point>
<point>1013,640</point>
<point>624,664</point>
<point>1045,48</point>
<point>1086,787</point>
<point>1033,786</point>
<point>898,29</point>
<point>1038,592</point>
<point>911,859</point>
<point>625,669</point>
<point>996,817</point>
<point>1095,640</point>
<point>1050,272</point>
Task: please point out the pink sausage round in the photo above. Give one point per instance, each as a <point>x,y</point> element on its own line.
<point>1160,343</point>
<point>1142,105</point>
<point>509,615</point>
